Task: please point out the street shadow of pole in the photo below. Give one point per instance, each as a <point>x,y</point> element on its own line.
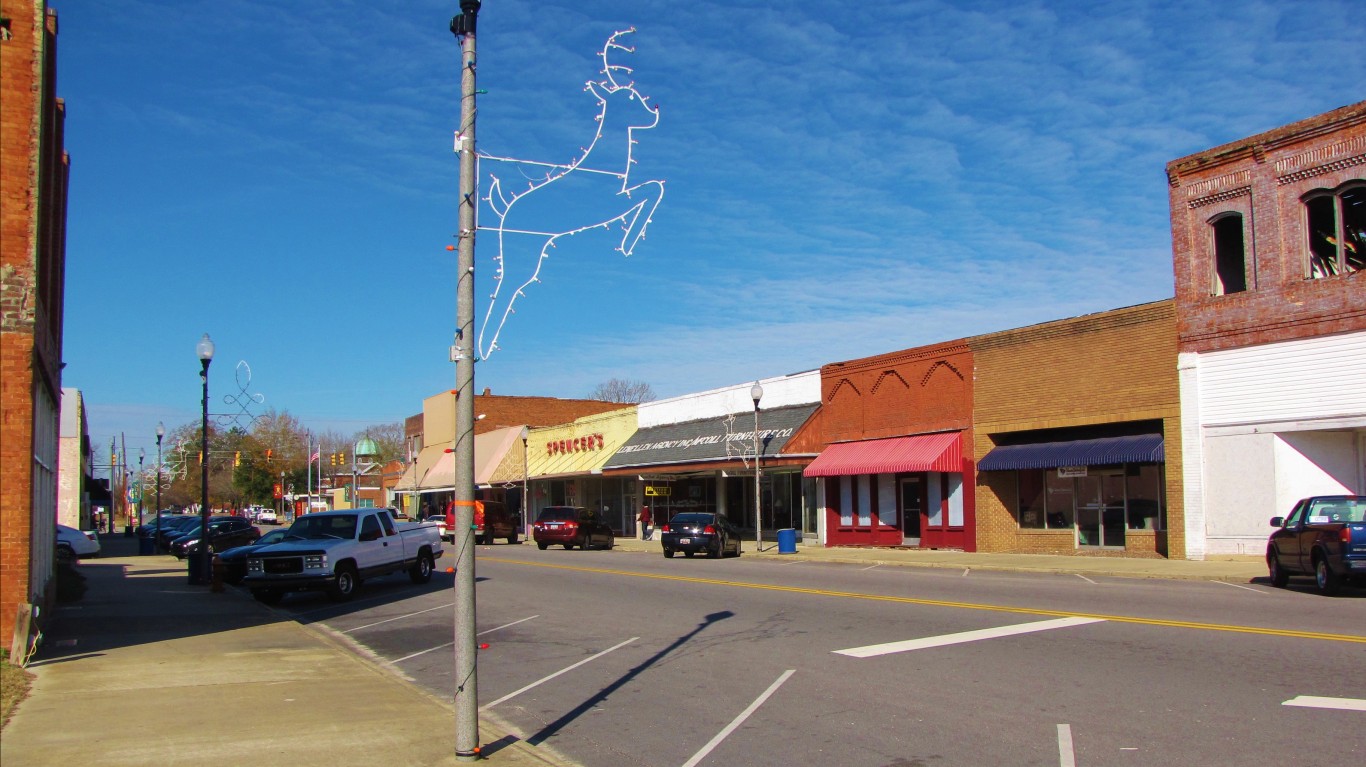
<point>579,710</point>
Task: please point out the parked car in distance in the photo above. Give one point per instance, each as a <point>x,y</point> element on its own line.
<point>234,560</point>
<point>1324,536</point>
<point>491,520</point>
<point>571,526</point>
<point>224,533</point>
<point>174,527</point>
<point>267,517</point>
<point>72,544</point>
<point>693,532</point>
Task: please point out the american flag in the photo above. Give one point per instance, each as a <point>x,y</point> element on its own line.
<point>316,454</point>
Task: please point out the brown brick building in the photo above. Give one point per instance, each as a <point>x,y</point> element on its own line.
<point>33,193</point>
<point>896,426</point>
<point>1077,436</point>
<point>1269,255</point>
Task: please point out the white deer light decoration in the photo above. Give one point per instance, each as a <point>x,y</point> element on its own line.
<point>597,175</point>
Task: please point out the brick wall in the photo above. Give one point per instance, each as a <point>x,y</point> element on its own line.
<point>1106,368</point>
<point>914,391</point>
<point>33,178</point>
<point>1264,178</point>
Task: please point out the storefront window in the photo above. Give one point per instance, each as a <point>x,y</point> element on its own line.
<point>1144,487</point>
<point>1032,507</point>
<point>1061,494</point>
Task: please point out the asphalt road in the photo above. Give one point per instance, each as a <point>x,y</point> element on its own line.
<point>615,658</point>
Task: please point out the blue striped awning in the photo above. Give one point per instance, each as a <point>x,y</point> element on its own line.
<point>1141,448</point>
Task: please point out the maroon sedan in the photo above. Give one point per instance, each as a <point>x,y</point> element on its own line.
<point>570,526</point>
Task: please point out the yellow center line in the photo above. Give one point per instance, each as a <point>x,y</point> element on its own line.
<point>947,603</point>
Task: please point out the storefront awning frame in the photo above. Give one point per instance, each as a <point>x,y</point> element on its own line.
<point>941,451</point>
<point>1138,448</point>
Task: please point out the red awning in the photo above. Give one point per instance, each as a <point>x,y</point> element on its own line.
<point>923,452</point>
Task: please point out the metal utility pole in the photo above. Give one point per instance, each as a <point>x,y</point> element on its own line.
<point>462,353</point>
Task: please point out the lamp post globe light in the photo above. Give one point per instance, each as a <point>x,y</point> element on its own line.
<point>205,351</point>
<point>161,432</point>
<point>756,393</point>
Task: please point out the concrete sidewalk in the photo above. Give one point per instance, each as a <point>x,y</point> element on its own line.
<point>148,670</point>
<point>1230,569</point>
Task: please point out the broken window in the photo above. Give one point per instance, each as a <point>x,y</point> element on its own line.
<point>1230,261</point>
<point>1337,231</point>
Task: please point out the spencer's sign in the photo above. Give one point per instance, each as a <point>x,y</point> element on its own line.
<point>575,445</point>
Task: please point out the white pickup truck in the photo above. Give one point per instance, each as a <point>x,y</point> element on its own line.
<point>335,550</point>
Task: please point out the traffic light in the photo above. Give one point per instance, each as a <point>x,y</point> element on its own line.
<point>331,459</point>
<point>237,458</point>
<point>269,454</point>
<point>201,457</point>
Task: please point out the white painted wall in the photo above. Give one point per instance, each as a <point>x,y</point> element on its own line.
<point>782,391</point>
<point>1262,427</point>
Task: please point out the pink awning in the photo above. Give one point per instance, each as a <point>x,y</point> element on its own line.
<point>923,452</point>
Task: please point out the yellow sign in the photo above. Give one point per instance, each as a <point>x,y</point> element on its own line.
<point>662,492</point>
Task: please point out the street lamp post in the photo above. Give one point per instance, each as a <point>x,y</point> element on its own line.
<point>161,432</point>
<point>526,516</point>
<point>756,393</point>
<point>142,456</point>
<point>205,351</point>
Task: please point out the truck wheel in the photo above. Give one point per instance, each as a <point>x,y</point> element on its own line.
<point>1324,577</point>
<point>513,538</point>
<point>421,571</point>
<point>1279,577</point>
<point>268,596</point>
<point>344,583</point>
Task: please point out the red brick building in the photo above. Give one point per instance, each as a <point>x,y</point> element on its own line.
<point>33,193</point>
<point>1269,255</point>
<point>894,471</point>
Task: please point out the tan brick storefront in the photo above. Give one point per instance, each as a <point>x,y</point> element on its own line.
<point>1108,373</point>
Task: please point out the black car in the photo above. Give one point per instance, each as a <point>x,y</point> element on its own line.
<point>693,532</point>
<point>234,560</point>
<point>224,533</point>
<point>174,527</point>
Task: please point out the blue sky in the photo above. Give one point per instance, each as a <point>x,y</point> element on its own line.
<point>843,179</point>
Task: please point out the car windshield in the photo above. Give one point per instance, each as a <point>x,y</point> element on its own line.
<point>324,526</point>
<point>691,520</point>
<point>558,515</point>
<point>274,536</point>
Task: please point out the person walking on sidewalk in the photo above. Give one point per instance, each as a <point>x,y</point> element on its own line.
<point>645,530</point>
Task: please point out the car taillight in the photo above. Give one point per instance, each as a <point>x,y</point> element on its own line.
<point>663,528</point>
<point>709,530</point>
<point>571,523</point>
<point>1345,534</point>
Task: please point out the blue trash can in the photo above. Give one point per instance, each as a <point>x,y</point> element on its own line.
<point>787,541</point>
<point>145,545</point>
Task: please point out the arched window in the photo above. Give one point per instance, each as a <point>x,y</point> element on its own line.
<point>1337,230</point>
<point>1230,261</point>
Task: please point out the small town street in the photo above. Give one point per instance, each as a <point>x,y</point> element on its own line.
<point>626,658</point>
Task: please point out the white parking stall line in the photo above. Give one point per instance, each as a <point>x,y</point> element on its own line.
<point>397,618</point>
<point>871,651</point>
<point>1245,588</point>
<point>1067,756</point>
<point>870,567</point>
<point>1083,577</point>
<point>1314,701</point>
<point>739,720</point>
<point>565,670</point>
<point>448,644</point>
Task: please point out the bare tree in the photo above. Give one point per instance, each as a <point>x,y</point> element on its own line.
<point>626,392</point>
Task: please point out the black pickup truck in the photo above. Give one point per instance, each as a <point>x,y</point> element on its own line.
<point>1324,536</point>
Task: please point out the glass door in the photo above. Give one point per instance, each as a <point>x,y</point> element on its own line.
<point>911,505</point>
<point>1100,510</point>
